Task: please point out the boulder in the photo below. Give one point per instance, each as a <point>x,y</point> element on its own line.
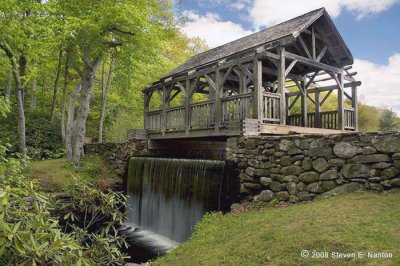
<point>368,150</point>
<point>276,186</point>
<point>286,161</point>
<point>266,195</point>
<point>301,186</point>
<point>329,175</point>
<point>291,170</point>
<point>265,181</point>
<point>328,185</point>
<point>252,186</point>
<point>309,177</point>
<point>314,188</point>
<point>390,173</point>
<point>307,164</point>
<point>355,171</point>
<point>336,162</point>
<point>371,158</point>
<point>395,182</point>
<point>305,196</point>
<point>320,147</point>
<point>344,150</point>
<point>293,198</point>
<point>292,188</point>
<point>290,178</point>
<point>381,165</point>
<point>396,163</point>
<point>343,189</point>
<point>282,196</point>
<point>285,145</point>
<point>387,143</point>
<point>245,177</point>
<point>375,186</point>
<point>320,165</point>
<point>250,171</point>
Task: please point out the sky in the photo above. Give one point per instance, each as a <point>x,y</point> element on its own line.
<point>370,28</point>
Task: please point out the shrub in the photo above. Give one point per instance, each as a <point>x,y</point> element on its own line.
<point>31,235</point>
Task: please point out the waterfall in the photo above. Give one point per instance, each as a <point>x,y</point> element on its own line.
<point>168,196</point>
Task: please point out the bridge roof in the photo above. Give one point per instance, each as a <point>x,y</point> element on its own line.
<point>293,27</point>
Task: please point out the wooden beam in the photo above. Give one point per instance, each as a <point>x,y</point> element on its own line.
<point>274,72</point>
<point>321,54</point>
<point>303,44</point>
<point>294,101</point>
<point>314,48</point>
<point>313,63</point>
<point>327,88</point>
<point>282,85</point>
<point>326,97</point>
<point>290,67</point>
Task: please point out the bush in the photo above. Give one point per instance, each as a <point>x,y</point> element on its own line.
<point>31,235</point>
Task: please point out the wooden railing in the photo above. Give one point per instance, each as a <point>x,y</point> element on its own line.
<point>236,107</point>
<point>176,119</point>
<point>202,115</point>
<point>349,118</point>
<point>154,120</point>
<point>329,120</point>
<point>271,108</point>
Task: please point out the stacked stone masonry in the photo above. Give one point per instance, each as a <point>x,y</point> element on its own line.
<point>301,168</point>
<point>119,153</point>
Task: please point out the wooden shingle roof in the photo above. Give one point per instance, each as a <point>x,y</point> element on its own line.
<point>293,27</point>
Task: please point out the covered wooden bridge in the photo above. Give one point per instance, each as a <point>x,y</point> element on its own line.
<point>275,81</point>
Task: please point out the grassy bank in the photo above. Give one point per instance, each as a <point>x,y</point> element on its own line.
<point>54,175</point>
<point>358,222</point>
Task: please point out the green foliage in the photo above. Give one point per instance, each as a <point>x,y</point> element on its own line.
<point>30,235</point>
<point>388,120</point>
<point>118,128</point>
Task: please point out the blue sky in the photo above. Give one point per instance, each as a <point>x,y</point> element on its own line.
<point>371,29</point>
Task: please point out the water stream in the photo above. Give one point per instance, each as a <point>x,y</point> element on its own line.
<point>166,197</point>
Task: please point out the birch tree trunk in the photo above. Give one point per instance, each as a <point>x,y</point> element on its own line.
<point>33,93</point>
<point>105,88</point>
<point>70,120</point>
<point>55,89</point>
<point>64,98</point>
<point>77,130</point>
<point>9,84</point>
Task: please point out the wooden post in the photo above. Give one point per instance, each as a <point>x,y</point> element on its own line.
<point>303,90</point>
<point>187,106</point>
<point>354,103</point>
<point>317,118</point>
<point>282,85</point>
<point>147,97</point>
<point>218,105</point>
<point>340,102</point>
<point>164,111</point>
<point>258,91</point>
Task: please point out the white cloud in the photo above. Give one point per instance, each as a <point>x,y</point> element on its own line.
<point>212,29</point>
<point>380,83</point>
<point>271,12</point>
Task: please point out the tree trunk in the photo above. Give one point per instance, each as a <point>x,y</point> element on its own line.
<point>55,89</point>
<point>33,93</point>
<point>78,129</point>
<point>105,88</point>
<point>9,84</point>
<point>64,98</point>
<point>70,120</point>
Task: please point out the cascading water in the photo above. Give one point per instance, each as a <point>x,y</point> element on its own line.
<point>167,197</point>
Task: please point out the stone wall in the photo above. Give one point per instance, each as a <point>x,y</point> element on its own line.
<point>301,168</point>
<point>119,153</point>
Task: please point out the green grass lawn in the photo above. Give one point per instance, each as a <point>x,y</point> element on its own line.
<point>357,222</point>
<point>54,175</point>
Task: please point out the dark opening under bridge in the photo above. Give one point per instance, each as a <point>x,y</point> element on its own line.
<point>275,81</point>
